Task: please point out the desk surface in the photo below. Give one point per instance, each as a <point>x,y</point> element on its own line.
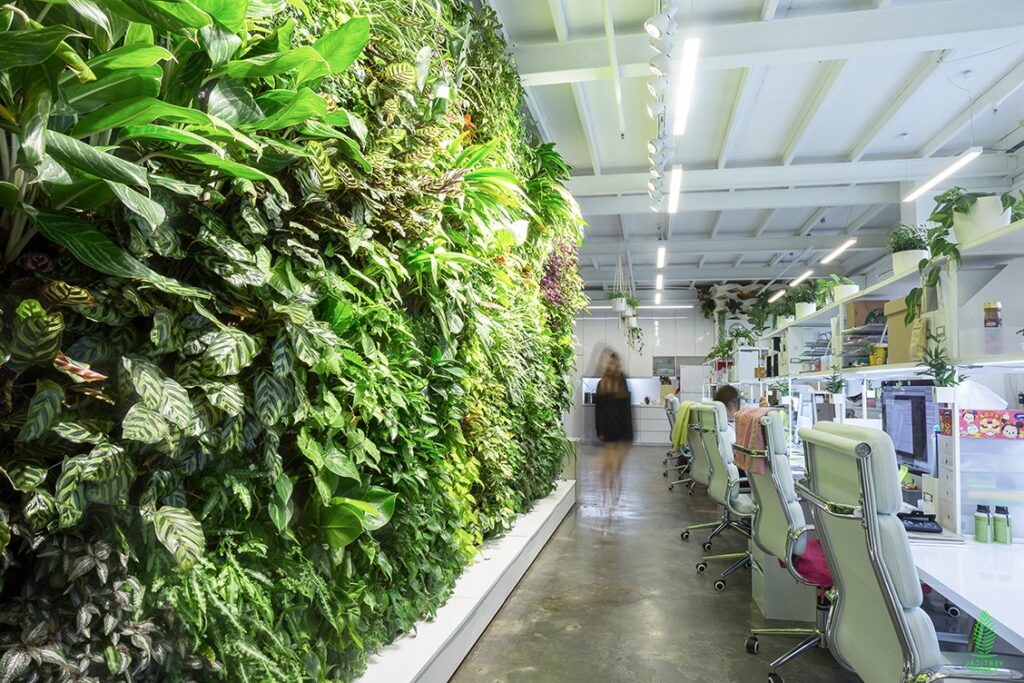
<point>978,577</point>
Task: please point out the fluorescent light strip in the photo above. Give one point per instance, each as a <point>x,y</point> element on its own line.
<point>800,279</point>
<point>776,296</point>
<point>674,188</point>
<point>687,78</point>
<point>661,257</point>
<point>659,281</point>
<point>657,299</point>
<point>839,250</point>
<point>667,307</point>
<point>965,158</point>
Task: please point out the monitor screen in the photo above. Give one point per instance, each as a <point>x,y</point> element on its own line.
<point>909,417</point>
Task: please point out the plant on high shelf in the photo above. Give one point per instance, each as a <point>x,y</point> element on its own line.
<point>741,336</point>
<point>723,349</point>
<point>908,238</point>
<point>941,251</point>
<point>825,287</point>
<point>940,369</point>
<point>834,383</point>
<point>760,313</point>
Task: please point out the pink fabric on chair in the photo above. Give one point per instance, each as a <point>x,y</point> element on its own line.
<point>812,565</point>
<point>750,434</point>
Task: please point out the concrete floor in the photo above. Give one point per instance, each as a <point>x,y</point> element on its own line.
<point>617,599</point>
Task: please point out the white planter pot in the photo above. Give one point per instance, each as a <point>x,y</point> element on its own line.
<point>986,215</point>
<point>618,305</point>
<point>631,321</point>
<point>786,320</point>
<point>838,399</point>
<point>904,262</point>
<point>844,291</point>
<point>803,310</point>
<point>944,394</point>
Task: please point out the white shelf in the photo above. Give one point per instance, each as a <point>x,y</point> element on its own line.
<point>894,371</point>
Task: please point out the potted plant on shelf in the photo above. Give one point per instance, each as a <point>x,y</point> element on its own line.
<point>833,288</point>
<point>803,298</point>
<point>941,249</point>
<point>909,246</point>
<point>944,374</point>
<point>971,215</point>
<point>618,300</point>
<point>782,312</point>
<point>835,385</point>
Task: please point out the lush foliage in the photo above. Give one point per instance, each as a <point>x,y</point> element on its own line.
<point>941,248</point>
<point>908,238</point>
<point>803,293</point>
<point>825,287</point>
<point>936,359</point>
<point>834,383</point>
<point>287,294</point>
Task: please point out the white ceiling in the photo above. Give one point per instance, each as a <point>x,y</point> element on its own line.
<point>807,116</point>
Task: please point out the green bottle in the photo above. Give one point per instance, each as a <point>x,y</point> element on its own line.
<point>1001,530</point>
<point>983,525</point>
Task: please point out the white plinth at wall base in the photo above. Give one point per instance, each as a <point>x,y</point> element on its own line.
<point>439,646</point>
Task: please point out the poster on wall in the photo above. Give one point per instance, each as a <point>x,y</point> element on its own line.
<point>992,424</point>
<point>664,366</point>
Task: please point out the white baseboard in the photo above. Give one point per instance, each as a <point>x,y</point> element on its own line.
<point>438,647</point>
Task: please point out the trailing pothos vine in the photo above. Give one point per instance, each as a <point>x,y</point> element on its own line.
<point>286,329</point>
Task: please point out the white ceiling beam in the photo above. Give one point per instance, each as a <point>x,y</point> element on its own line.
<point>990,165</point>
<point>596,262</point>
<point>1006,86</point>
<point>815,218</point>
<point>924,72</point>
<point>865,218</point>
<point>799,198</point>
<point>880,4</point>
<point>820,37</point>
<point>747,91</point>
<point>738,261</point>
<point>647,249</point>
<point>700,261</point>
<point>768,9</point>
<point>825,89</point>
<point>762,223</point>
<point>775,261</point>
<point>613,62</point>
<point>716,224</point>
<point>680,277</point>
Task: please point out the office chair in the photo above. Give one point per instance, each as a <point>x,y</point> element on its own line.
<point>671,411</point>
<point>723,488</point>
<point>780,530</point>
<point>877,628</point>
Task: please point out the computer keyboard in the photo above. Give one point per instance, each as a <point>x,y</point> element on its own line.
<point>920,522</point>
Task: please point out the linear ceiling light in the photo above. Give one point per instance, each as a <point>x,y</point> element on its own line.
<point>800,279</point>
<point>966,157</point>
<point>776,296</point>
<point>659,282</point>
<point>661,257</point>
<point>674,187</point>
<point>657,299</point>
<point>839,250</point>
<point>687,78</point>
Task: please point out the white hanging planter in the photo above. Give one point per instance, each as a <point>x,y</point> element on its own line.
<point>618,305</point>
<point>631,322</point>
<point>985,216</point>
<point>844,292</point>
<point>804,309</point>
<point>904,262</point>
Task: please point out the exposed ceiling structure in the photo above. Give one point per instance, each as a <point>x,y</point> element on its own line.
<point>810,120</point>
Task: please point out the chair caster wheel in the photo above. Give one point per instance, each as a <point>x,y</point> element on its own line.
<point>775,678</point>
<point>690,492</point>
<point>952,610</point>
<point>720,585</point>
<point>685,535</point>
<point>753,645</point>
<point>671,487</point>
<point>707,545</point>
<point>702,567</point>
<point>665,473</point>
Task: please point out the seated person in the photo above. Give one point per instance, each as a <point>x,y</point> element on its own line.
<point>728,396</point>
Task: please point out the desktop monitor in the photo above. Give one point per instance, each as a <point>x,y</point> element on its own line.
<point>910,417</point>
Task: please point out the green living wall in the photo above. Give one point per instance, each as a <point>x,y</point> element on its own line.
<point>286,306</point>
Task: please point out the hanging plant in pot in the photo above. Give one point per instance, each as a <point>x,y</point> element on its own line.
<point>803,299</point>
<point>972,215</point>
<point>618,300</point>
<point>632,306</point>
<point>909,246</point>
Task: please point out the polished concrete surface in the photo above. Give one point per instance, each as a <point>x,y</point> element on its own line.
<point>615,598</point>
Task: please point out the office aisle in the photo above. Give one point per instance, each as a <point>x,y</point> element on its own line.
<point>621,602</point>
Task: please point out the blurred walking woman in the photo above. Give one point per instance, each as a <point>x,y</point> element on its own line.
<point>613,417</point>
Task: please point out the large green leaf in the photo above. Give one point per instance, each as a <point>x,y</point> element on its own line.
<point>36,341</point>
<point>230,13</point>
<point>143,424</point>
<point>220,43</point>
<point>118,86</point>
<point>271,396</point>
<point>71,152</point>
<point>340,524</point>
<point>40,509</point>
<point>96,250</point>
<point>171,15</point>
<point>140,204</point>
<point>132,56</point>
<point>231,101</point>
<point>35,116</point>
<point>276,63</point>
<point>303,105</point>
<point>335,460</point>
<point>68,492</point>
<point>175,405</point>
<point>155,131</point>
<point>146,379</point>
<point>229,352</point>
<point>90,11</point>
<point>227,166</point>
<point>8,195</point>
<point>34,46</point>
<point>25,473</point>
<point>43,410</point>
<point>107,475</point>
<point>339,48</point>
<point>374,509</point>
<point>226,397</point>
<point>180,533</point>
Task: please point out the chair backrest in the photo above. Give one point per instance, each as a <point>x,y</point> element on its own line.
<point>700,466</point>
<point>724,485</point>
<point>877,627</point>
<point>778,516</point>
<point>671,408</point>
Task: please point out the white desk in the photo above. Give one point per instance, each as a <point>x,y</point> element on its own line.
<point>978,577</point>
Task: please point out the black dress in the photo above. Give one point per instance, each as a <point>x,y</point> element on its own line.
<point>613,415</point>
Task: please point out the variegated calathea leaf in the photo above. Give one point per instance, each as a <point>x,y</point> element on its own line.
<point>229,352</point>
<point>144,425</point>
<point>43,410</point>
<point>36,338</point>
<point>271,397</point>
<point>180,533</point>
